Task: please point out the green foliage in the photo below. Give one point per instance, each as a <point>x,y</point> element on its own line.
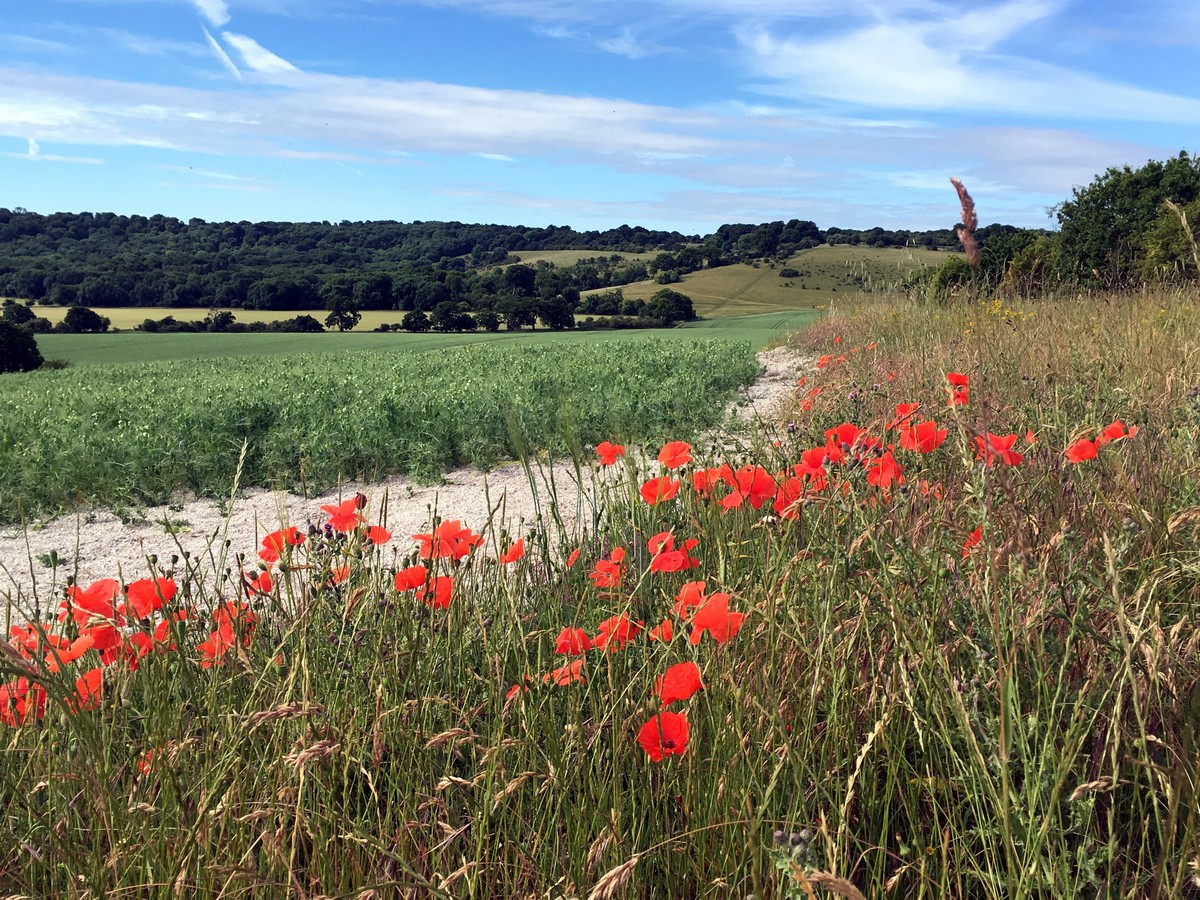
<point>1106,225</point>
<point>135,433</point>
<point>18,349</point>
<point>82,320</point>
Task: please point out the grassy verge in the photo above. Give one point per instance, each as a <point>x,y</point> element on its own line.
<point>960,665</point>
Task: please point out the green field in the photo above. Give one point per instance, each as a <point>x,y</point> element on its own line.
<point>136,433</point>
<point>103,349</point>
<point>828,273</point>
<point>565,258</point>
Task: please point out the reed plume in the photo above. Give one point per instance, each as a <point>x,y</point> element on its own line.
<point>966,234</point>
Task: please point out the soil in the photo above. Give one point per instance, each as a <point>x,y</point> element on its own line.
<point>98,543</point>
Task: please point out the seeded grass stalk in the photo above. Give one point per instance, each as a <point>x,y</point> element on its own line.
<point>896,717</point>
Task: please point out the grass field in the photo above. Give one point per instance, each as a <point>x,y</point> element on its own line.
<point>571,257</point>
<point>106,349</point>
<point>828,273</point>
<point>943,651</point>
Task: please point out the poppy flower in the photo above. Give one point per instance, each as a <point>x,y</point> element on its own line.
<point>96,602</point>
<point>691,594</point>
<point>665,558</point>
<point>679,682</point>
<point>787,498</point>
<point>664,735</point>
<point>997,446</point>
<point>572,642</point>
<point>1115,432</point>
<point>564,675</point>
<point>753,484</point>
<point>450,540</point>
<point>607,573</point>
<point>260,584</point>
<point>437,592</point>
<point>88,689</point>
<point>904,412</point>
<point>411,578</point>
<point>339,574</point>
<point>377,535</point>
<point>514,552</point>
<point>344,516</point>
<point>715,618</point>
<point>973,540</point>
<point>515,690</point>
<point>21,702</point>
<point>615,632</point>
<point>273,543</point>
<point>959,389</point>
<point>608,452</point>
<point>213,649</point>
<point>148,595</point>
<point>923,437</point>
<point>846,434</point>
<point>656,490</point>
<point>663,632</point>
<point>1081,451</point>
<point>573,557</point>
<point>883,471</point>
<point>675,454</point>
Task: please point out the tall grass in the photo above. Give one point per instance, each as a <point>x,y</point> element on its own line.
<point>898,715</point>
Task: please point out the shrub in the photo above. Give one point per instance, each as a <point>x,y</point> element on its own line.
<point>18,349</point>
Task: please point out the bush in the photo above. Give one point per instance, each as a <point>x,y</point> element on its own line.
<point>18,349</point>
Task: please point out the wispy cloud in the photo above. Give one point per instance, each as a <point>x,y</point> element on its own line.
<point>152,46</point>
<point>216,11</point>
<point>34,154</point>
<point>626,45</point>
<point>258,57</point>
<point>222,56</point>
<point>496,157</point>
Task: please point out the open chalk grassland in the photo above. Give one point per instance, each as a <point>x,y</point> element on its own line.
<point>934,636</point>
<point>108,349</point>
<point>134,434</point>
<point>826,274</point>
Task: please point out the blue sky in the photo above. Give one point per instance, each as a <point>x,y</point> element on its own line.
<point>678,114</point>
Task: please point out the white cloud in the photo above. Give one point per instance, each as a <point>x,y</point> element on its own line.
<point>222,56</point>
<point>34,154</point>
<point>625,45</point>
<point>257,57</point>
<point>496,157</point>
<point>216,11</point>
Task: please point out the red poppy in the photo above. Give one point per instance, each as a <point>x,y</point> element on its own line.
<point>973,540</point>
<point>904,412</point>
<point>273,543</point>
<point>88,689</point>
<point>516,689</point>
<point>679,682</point>
<point>1030,437</point>
<point>656,490</point>
<point>664,735</point>
<point>21,701</point>
<point>1081,451</point>
<point>28,640</point>
<point>715,618</point>
<point>609,452</point>
<point>691,594</point>
<point>788,497</point>
<point>148,595</point>
<point>675,454</point>
<point>261,584</point>
<point>1000,446</point>
<point>615,632</point>
<point>437,593</point>
<point>753,484</point>
<point>411,578</point>
<point>96,602</point>
<point>213,649</point>
<point>662,632</point>
<point>377,535</point>
<point>339,574</point>
<point>665,558</point>
<point>344,516</point>
<point>883,470</point>
<point>847,434</point>
<point>959,389</point>
<point>573,557</point>
<point>514,552</point>
<point>1115,432</point>
<point>564,675</point>
<point>572,642</point>
<point>608,573</point>
<point>923,437</point>
<point>449,540</point>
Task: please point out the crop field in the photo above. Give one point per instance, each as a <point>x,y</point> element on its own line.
<point>129,317</point>
<point>135,433</point>
<point>936,634</point>
<point>571,257</point>
<point>828,274</point>
<point>108,349</point>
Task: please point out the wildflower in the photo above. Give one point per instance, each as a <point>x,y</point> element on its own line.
<point>663,632</point>
<point>608,452</point>
<point>959,389</point>
<point>88,689</point>
<point>973,540</point>
<point>715,618</point>
<point>675,454</point>
<point>515,552</point>
<point>691,594</point>
<point>565,675</point>
<point>22,701</point>
<point>261,584</point>
<point>339,574</point>
<point>607,573</point>
<point>995,445</point>
<point>788,497</point>
<point>846,434</point>
<point>1081,451</point>
<point>572,642</point>
<point>377,535</point>
<point>666,734</point>
<point>437,592</point>
<point>615,632</point>
<point>656,490</point>
<point>666,558</point>
<point>883,470</point>
<point>679,682</point>
<point>344,516</point>
<point>1115,432</point>
<point>450,540</point>
<point>573,557</point>
<point>753,484</point>
<point>924,437</point>
<point>148,595</point>
<point>411,578</point>
<point>904,412</point>
<point>97,602</point>
<point>273,543</point>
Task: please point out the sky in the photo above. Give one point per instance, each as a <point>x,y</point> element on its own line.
<point>673,114</point>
